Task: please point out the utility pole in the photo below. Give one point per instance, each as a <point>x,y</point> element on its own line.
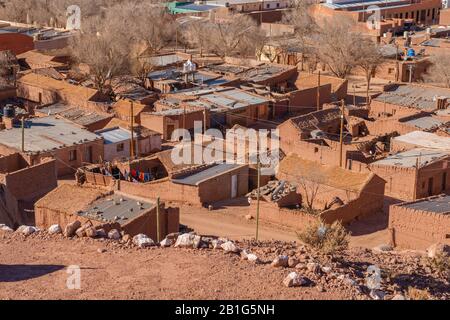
<point>204,121</point>
<point>132,129</point>
<point>184,117</point>
<point>158,235</point>
<point>354,95</point>
<point>318,92</point>
<point>258,196</point>
<point>23,134</point>
<point>341,136</point>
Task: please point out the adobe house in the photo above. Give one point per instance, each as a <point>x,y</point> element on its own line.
<point>414,174</point>
<point>148,141</point>
<point>21,184</point>
<point>420,223</point>
<point>406,99</point>
<point>53,137</point>
<point>334,192</point>
<point>315,136</point>
<point>89,119</point>
<point>105,210</point>
<point>37,60</point>
<point>122,110</point>
<point>117,143</point>
<point>158,176</point>
<point>419,139</point>
<point>45,90</point>
<point>171,114</point>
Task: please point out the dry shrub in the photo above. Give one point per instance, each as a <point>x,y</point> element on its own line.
<point>440,264</point>
<point>328,239</point>
<point>418,294</point>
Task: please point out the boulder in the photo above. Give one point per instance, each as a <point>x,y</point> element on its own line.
<point>185,240</point>
<point>293,279</point>
<point>126,237</point>
<point>438,249</point>
<point>217,243</point>
<point>114,234</point>
<point>81,232</point>
<point>26,230</point>
<point>196,242</point>
<point>253,258</point>
<point>54,229</point>
<point>166,242</point>
<point>90,232</point>
<point>71,228</point>
<point>244,254</point>
<point>5,228</point>
<point>101,233</point>
<point>313,267</point>
<point>249,217</point>
<point>280,261</point>
<point>230,247</point>
<point>292,262</point>
<point>143,241</point>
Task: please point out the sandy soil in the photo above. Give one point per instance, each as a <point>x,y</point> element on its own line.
<point>33,268</point>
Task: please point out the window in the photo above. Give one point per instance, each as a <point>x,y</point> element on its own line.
<point>316,149</point>
<point>278,5</point>
<point>72,155</point>
<point>120,147</point>
<point>268,6</point>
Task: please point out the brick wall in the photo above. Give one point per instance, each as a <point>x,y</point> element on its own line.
<point>415,229</point>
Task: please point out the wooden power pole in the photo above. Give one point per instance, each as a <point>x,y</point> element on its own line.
<point>132,129</point>
<point>318,92</point>
<point>341,135</point>
<point>158,235</point>
<point>23,134</point>
<point>258,197</point>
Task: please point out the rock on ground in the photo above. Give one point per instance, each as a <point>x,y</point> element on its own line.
<point>55,229</point>
<point>71,228</point>
<point>143,241</point>
<point>26,230</point>
<point>166,242</point>
<point>280,261</point>
<point>4,227</point>
<point>114,234</point>
<point>293,279</point>
<point>188,240</point>
<point>230,247</point>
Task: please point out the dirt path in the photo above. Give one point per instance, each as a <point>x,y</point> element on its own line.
<point>229,221</point>
<point>32,268</point>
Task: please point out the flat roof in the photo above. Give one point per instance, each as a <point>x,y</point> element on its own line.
<point>46,134</point>
<point>114,135</point>
<point>414,96</point>
<point>425,139</point>
<point>116,208</point>
<point>53,109</point>
<point>196,178</point>
<point>83,117</point>
<point>425,123</point>
<point>439,204</point>
<point>409,159</point>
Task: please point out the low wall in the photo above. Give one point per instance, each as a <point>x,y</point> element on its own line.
<point>418,230</point>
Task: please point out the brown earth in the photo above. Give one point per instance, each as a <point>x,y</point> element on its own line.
<point>35,267</point>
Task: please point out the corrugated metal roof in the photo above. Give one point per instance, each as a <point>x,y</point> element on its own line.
<point>426,123</point>
<point>115,135</point>
<point>440,204</point>
<point>46,134</point>
<point>409,159</point>
<point>425,139</point>
<point>208,173</point>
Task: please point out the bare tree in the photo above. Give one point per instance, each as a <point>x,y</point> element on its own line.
<point>8,69</point>
<point>337,46</point>
<point>370,58</point>
<point>439,71</point>
<point>197,34</point>
<point>310,185</point>
<point>235,37</point>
